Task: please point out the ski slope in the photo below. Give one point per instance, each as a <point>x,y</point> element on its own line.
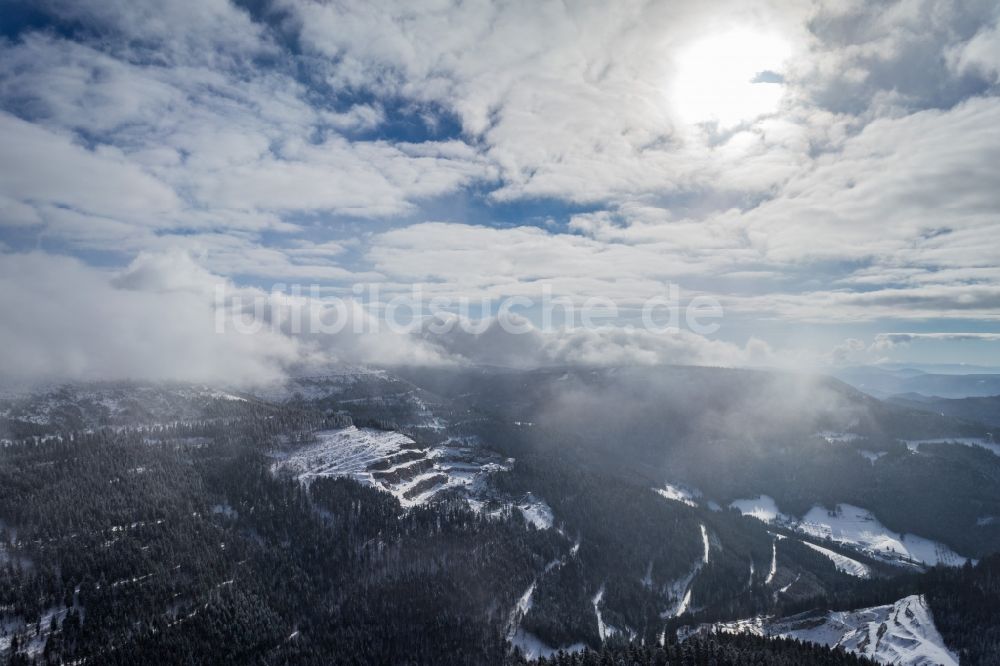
<point>855,527</point>
<point>901,633</point>
<point>393,462</point>
<point>842,562</point>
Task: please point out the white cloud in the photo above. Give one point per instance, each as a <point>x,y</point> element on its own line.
<point>193,130</point>
<point>159,319</point>
<point>66,320</point>
<point>364,179</point>
<point>39,167</point>
<point>521,344</point>
<point>980,54</point>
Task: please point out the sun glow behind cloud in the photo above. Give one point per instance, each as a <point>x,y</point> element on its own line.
<point>729,77</point>
<point>817,162</point>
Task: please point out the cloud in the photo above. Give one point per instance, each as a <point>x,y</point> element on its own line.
<point>65,320</point>
<point>175,33</point>
<point>162,318</point>
<point>39,167</point>
<point>193,144</point>
<point>419,142</point>
<point>981,54</point>
<point>165,317</point>
<point>367,179</point>
<point>571,101</point>
<point>516,342</point>
<point>847,351</point>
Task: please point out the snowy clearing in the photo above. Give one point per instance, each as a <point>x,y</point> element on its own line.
<point>390,461</point>
<point>536,512</point>
<point>901,633</point>
<point>532,647</point>
<point>855,527</point>
<point>842,562</point>
<point>678,494</point>
<point>762,508</point>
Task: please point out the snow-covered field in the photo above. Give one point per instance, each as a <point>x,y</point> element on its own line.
<point>346,452</point>
<point>842,562</point>
<point>763,508</point>
<point>533,647</point>
<point>391,461</point>
<point>902,633</point>
<point>536,512</point>
<point>855,527</point>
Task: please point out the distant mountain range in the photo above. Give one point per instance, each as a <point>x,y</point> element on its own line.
<point>884,382</point>
<point>980,409</point>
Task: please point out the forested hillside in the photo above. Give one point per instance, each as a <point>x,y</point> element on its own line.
<point>271,529</point>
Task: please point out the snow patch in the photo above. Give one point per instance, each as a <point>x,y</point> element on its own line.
<point>762,508</point>
<point>872,456</point>
<point>536,512</point>
<point>680,590</point>
<point>901,633</point>
<point>842,562</point>
<point>390,461</point>
<point>787,587</point>
<point>678,494</point>
<point>857,527</point>
<point>774,563</point>
<point>603,630</point>
<point>532,647</point>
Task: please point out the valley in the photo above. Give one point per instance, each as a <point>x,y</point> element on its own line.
<point>532,513</point>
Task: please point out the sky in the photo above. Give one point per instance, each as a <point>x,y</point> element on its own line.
<point>825,172</point>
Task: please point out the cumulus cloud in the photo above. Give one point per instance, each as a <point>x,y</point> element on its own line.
<point>847,351</point>
<point>980,54</point>
<point>44,169</point>
<point>166,317</point>
<point>513,341</point>
<point>66,320</point>
<point>421,142</point>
